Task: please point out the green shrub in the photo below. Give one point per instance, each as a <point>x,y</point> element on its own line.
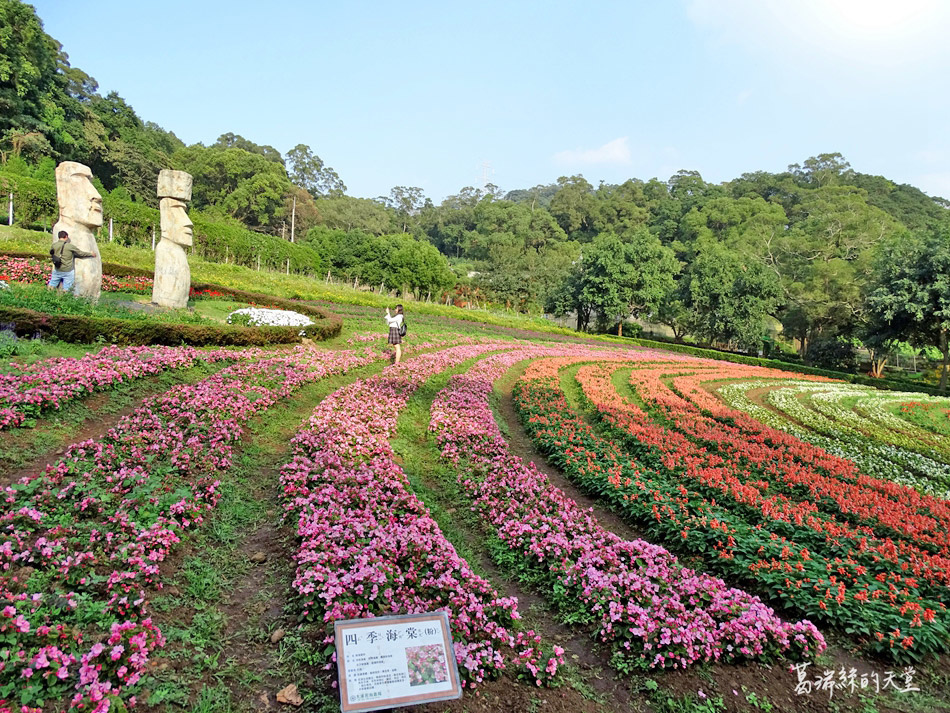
<point>34,202</point>
<point>84,329</point>
<point>834,354</point>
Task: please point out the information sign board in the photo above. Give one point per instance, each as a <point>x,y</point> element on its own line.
<point>392,661</point>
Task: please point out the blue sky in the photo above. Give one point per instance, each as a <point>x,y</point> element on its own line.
<point>440,94</point>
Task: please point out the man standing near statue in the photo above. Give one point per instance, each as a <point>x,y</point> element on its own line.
<point>63,254</point>
<point>80,212</point>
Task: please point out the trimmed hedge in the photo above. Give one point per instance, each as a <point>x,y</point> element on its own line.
<point>34,202</point>
<point>861,379</point>
<point>85,330</point>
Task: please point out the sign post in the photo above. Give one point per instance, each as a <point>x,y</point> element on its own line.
<point>392,661</point>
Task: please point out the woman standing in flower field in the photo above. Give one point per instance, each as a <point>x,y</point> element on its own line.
<point>395,322</point>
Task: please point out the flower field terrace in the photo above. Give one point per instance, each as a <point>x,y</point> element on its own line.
<point>797,470</point>
<point>369,547</point>
<point>734,563</point>
<point>82,543</point>
<point>27,391</point>
<point>740,499</point>
<point>633,594</point>
<point>849,411</point>
<point>882,460</point>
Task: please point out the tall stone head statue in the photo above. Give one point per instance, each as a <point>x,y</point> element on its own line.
<point>172,274</point>
<point>80,212</point>
<point>174,189</point>
<point>79,201</point>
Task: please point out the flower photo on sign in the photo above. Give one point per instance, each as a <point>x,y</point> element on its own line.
<point>426,664</point>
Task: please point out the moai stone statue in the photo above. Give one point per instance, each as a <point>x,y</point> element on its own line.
<point>80,212</point>
<point>172,274</point>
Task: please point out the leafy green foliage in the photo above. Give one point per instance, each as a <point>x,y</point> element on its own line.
<point>397,262</point>
<point>911,296</point>
<point>309,172</point>
<point>727,297</point>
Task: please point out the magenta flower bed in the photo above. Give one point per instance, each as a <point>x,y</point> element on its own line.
<point>80,543</point>
<point>369,547</point>
<point>636,595</point>
<point>27,391</point>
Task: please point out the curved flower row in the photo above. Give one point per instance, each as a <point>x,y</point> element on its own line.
<point>28,390</point>
<point>805,485</point>
<point>697,399</point>
<point>888,613</point>
<point>765,493</point>
<point>876,459</point>
<point>32,270</point>
<point>80,542</point>
<point>369,547</point>
<point>826,403</point>
<point>887,410</point>
<point>636,595</point>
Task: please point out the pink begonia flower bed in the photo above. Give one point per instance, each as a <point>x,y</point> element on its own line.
<point>368,546</point>
<point>637,595</point>
<point>80,542</point>
<point>28,390</point>
<point>36,271</point>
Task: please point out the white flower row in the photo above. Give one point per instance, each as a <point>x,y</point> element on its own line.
<point>836,402</point>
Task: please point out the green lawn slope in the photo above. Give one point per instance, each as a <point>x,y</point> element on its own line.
<point>277,283</point>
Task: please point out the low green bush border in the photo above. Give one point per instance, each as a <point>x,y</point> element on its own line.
<point>86,330</point>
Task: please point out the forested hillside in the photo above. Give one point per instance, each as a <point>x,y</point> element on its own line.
<point>837,256</point>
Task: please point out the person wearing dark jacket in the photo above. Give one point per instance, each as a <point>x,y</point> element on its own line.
<point>64,253</point>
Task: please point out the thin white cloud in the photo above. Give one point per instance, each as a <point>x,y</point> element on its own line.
<point>743,96</point>
<point>861,33</point>
<point>616,152</point>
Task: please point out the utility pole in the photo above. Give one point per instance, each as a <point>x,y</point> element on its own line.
<point>153,238</point>
<point>10,222</point>
<point>110,230</point>
<point>487,173</point>
<point>293,219</point>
